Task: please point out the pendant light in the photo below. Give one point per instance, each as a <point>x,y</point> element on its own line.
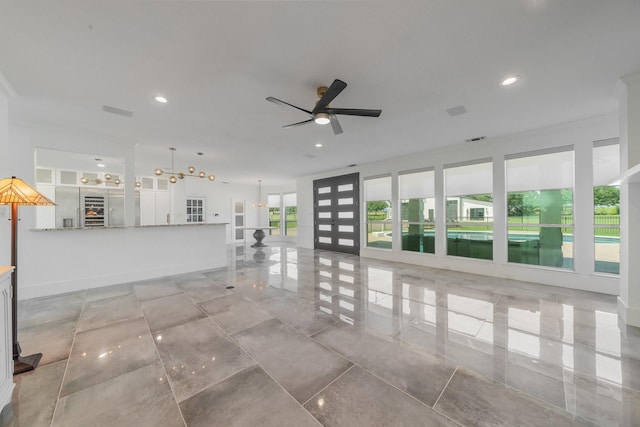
<point>174,176</point>
<point>259,204</point>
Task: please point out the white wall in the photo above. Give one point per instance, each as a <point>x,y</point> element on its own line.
<point>219,200</point>
<point>581,134</point>
<point>52,262</point>
<point>5,232</point>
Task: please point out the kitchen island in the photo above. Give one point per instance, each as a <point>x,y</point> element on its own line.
<point>59,260</point>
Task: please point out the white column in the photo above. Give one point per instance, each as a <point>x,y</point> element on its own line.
<point>396,224</point>
<point>628,92</point>
<point>6,92</point>
<point>499,211</point>
<point>583,250</point>
<point>440,212</point>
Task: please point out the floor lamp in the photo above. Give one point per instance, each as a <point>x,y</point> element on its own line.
<point>16,192</point>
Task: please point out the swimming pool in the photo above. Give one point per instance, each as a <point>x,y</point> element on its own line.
<point>488,235</point>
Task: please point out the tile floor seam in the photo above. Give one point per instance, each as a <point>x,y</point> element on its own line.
<point>263,369</point>
<point>333,381</point>
<point>293,326</point>
<point>66,368</point>
<point>164,369</point>
<point>219,381</point>
<point>400,390</point>
<point>540,401</point>
<point>322,330</point>
<point>445,387</point>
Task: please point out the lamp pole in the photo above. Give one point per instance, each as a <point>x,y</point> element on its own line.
<point>15,192</point>
<point>14,279</point>
<point>21,364</point>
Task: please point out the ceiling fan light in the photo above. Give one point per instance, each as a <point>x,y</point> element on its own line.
<point>321,118</point>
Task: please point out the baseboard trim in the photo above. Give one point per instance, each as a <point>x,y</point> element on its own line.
<point>629,315</point>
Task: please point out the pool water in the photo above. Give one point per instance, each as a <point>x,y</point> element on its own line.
<point>487,235</point>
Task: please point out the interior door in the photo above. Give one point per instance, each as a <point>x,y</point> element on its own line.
<point>336,214</point>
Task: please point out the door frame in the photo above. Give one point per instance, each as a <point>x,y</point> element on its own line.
<point>335,208</point>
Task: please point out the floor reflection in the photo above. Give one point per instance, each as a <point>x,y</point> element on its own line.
<point>564,347</point>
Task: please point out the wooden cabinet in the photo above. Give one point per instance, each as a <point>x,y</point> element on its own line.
<point>6,355</point>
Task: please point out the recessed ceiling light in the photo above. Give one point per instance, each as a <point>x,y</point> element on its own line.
<point>100,165</point>
<point>161,99</point>
<point>510,80</point>
<point>318,145</point>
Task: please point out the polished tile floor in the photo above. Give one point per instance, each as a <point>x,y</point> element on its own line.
<point>293,337</point>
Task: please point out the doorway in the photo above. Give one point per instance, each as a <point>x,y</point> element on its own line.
<point>336,213</point>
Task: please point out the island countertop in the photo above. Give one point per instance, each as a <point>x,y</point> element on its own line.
<point>122,227</point>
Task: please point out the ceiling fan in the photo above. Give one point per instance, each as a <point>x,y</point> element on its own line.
<point>322,113</point>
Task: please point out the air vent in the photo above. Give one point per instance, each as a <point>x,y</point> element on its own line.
<point>456,111</point>
<point>118,111</point>
<point>476,139</point>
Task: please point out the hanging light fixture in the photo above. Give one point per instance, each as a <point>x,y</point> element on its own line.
<point>98,181</point>
<point>259,204</point>
<point>174,176</point>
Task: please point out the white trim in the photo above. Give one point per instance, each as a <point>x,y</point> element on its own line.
<point>510,271</point>
<point>629,315</point>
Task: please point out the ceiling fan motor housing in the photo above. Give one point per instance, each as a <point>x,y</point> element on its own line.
<point>321,91</point>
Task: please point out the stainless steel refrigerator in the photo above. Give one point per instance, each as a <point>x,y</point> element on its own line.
<point>89,207</point>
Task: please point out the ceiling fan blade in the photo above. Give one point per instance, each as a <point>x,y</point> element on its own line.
<point>335,125</point>
<point>299,123</point>
<point>334,90</point>
<point>353,112</point>
<point>280,102</point>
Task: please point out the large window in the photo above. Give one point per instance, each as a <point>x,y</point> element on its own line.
<point>273,201</point>
<point>377,197</point>
<point>540,208</point>
<point>291,214</point>
<point>469,195</point>
<point>417,204</point>
<point>606,207</point>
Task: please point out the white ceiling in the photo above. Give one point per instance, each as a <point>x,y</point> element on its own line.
<point>217,61</point>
